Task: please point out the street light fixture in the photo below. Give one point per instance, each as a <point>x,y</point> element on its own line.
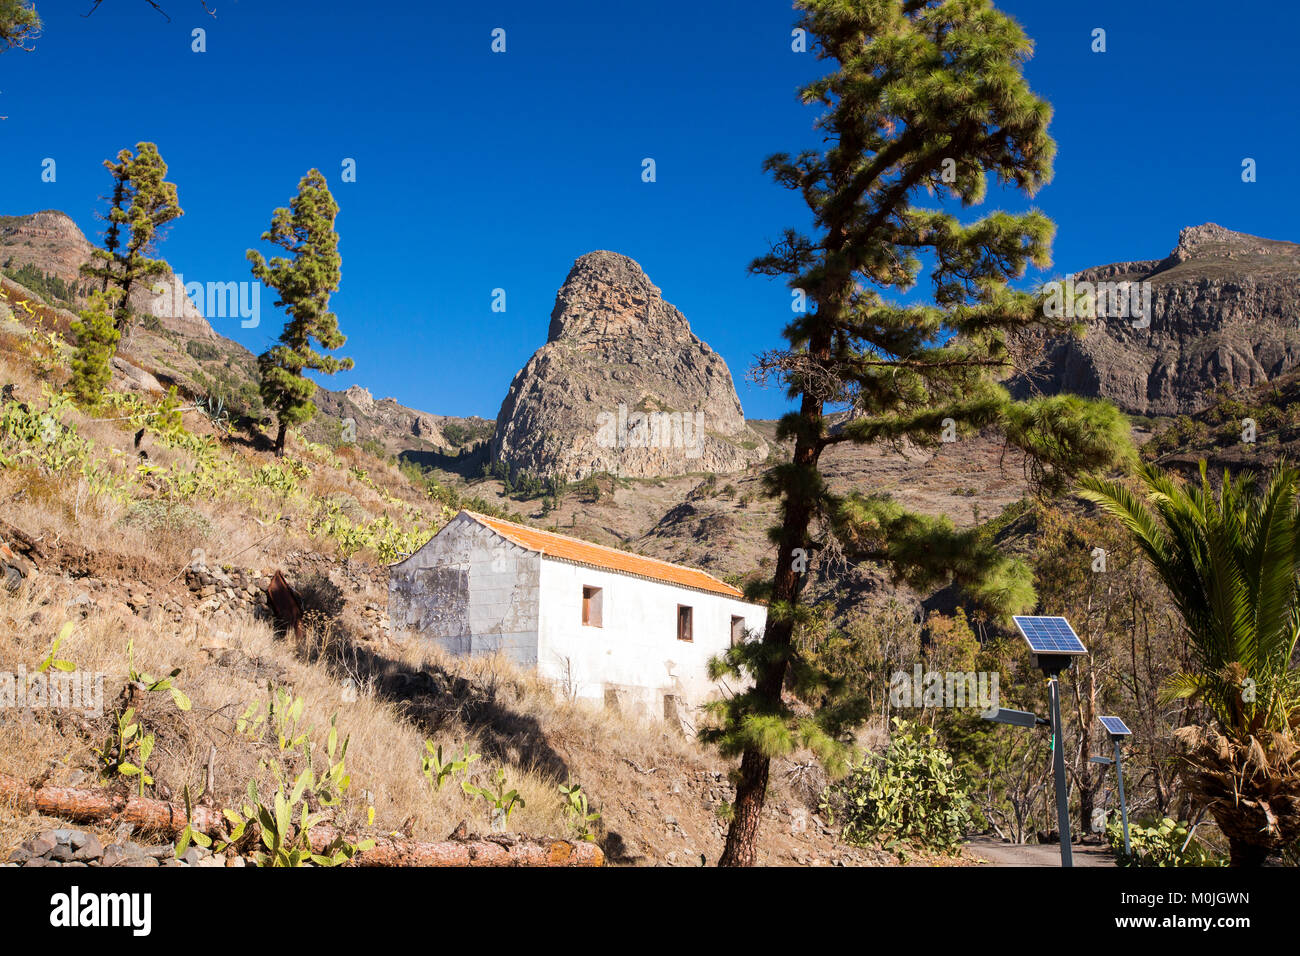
<point>1118,731</point>
<point>1053,645</point>
<point>1018,718</point>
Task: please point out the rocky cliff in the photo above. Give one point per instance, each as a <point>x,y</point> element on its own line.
<point>50,241</point>
<point>623,386</point>
<point>1224,309</point>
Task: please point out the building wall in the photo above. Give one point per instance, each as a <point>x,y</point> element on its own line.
<point>471,591</point>
<point>635,654</point>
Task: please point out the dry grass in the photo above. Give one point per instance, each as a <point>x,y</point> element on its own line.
<point>222,672</point>
<point>223,668</point>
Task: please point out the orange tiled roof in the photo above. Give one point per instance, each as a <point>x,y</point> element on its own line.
<point>583,552</point>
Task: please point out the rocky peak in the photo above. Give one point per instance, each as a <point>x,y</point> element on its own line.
<point>623,386</point>
<point>607,294</point>
<point>48,239</point>
<point>1212,241</point>
<point>1193,236</point>
<point>360,396</point>
<point>46,224</point>
<point>51,241</point>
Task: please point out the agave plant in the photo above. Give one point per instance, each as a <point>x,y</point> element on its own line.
<point>1231,562</point>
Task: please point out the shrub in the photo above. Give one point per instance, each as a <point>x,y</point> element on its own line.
<point>155,516</point>
<point>1157,843</point>
<point>911,793</point>
<point>202,351</point>
<point>96,342</point>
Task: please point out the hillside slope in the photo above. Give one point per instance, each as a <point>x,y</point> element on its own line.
<point>174,344</point>
<point>156,553</point>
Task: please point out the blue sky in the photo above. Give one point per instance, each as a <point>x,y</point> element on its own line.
<point>478,171</point>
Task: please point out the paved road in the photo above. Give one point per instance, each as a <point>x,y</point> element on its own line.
<point>994,852</point>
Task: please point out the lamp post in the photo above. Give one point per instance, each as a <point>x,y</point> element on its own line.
<point>1118,731</point>
<point>1053,645</point>
<point>1058,771</point>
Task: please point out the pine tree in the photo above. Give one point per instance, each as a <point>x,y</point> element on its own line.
<point>142,202</point>
<point>96,341</point>
<point>304,282</point>
<point>924,95</point>
<point>19,23</point>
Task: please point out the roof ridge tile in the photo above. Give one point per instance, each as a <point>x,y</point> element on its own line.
<point>602,556</point>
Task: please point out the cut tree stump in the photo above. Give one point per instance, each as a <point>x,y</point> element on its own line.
<point>159,816</point>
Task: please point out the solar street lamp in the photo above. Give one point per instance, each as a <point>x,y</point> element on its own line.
<point>1053,645</point>
<point>1118,730</point>
<point>1017,718</point>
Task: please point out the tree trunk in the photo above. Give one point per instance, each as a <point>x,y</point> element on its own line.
<point>742,836</point>
<point>751,789</point>
<point>279,440</point>
<point>1086,791</point>
<point>1247,831</point>
<point>1244,854</point>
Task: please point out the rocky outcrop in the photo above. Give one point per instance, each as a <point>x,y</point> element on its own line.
<point>49,240</point>
<point>1225,309</point>
<point>623,386</point>
<point>398,428</point>
<point>133,378</point>
<point>52,242</point>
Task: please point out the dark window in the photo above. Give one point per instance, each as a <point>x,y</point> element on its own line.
<point>684,632</point>
<point>737,630</point>
<point>591,606</point>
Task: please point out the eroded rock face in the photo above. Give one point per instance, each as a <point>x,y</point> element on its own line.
<point>623,386</point>
<point>52,242</point>
<point>382,419</point>
<point>1225,308</point>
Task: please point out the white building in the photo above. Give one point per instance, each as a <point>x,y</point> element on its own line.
<point>600,623</point>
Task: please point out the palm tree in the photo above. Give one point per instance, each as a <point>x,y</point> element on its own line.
<point>1231,563</point>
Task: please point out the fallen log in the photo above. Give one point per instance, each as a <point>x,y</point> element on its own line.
<point>169,819</point>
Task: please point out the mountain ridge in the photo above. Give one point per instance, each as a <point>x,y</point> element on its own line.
<point>1224,308</point>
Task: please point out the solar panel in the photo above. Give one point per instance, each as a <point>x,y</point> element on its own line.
<point>1115,727</point>
<point>1050,635</point>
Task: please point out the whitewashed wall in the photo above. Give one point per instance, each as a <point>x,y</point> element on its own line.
<point>636,650</point>
<point>471,591</point>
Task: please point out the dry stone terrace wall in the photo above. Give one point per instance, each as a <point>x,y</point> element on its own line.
<point>76,848</point>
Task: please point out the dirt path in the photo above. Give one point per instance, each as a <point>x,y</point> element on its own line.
<point>996,853</point>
